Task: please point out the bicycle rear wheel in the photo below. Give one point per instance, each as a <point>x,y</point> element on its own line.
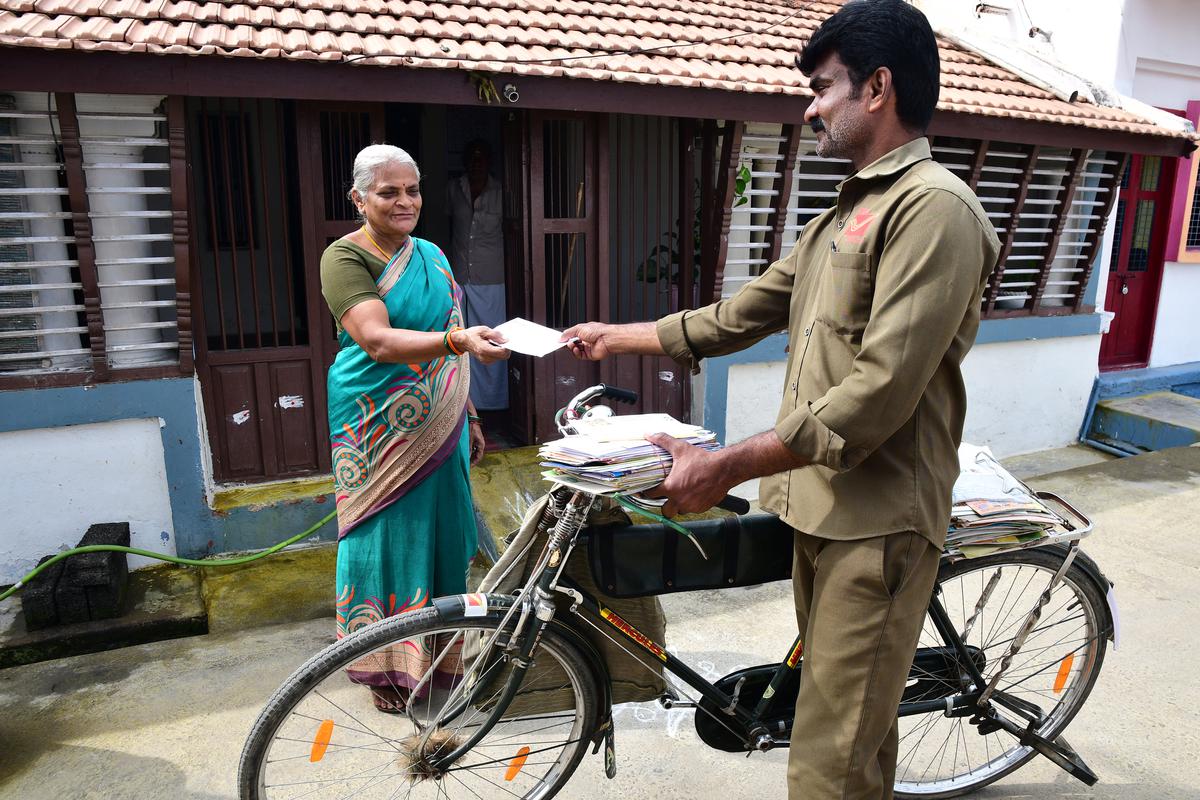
<point>322,735</point>
<point>1055,670</point>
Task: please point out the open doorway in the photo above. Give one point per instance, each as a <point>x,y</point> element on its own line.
<point>461,154</point>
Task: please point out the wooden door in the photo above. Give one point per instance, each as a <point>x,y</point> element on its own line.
<point>612,212</point>
<point>259,336</point>
<point>565,250</point>
<point>329,137</point>
<point>518,276</point>
<point>1135,269</point>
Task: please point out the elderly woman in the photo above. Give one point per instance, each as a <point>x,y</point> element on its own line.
<point>401,425</point>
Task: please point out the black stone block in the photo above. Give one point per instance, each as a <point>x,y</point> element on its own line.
<point>100,569</point>
<point>37,597</point>
<point>82,588</point>
<point>71,602</point>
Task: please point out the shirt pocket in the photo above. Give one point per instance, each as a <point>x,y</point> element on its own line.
<point>845,300</point>
<point>487,223</point>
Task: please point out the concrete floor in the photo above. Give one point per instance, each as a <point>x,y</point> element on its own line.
<point>167,720</point>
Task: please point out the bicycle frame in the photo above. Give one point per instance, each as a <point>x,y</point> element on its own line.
<point>537,610</point>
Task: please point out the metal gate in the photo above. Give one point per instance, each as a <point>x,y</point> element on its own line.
<point>267,181</point>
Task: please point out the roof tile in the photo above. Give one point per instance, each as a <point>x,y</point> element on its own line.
<point>731,45</point>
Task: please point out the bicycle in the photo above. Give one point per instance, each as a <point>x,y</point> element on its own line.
<point>511,693</point>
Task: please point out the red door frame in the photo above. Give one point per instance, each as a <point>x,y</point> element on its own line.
<point>1150,279</point>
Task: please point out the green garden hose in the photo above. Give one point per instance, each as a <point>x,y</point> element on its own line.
<point>188,562</point>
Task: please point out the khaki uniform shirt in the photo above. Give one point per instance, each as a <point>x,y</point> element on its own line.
<point>880,298</point>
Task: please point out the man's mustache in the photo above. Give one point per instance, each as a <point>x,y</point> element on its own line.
<point>817,125</point>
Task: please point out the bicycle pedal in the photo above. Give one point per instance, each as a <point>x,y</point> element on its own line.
<point>985,724</point>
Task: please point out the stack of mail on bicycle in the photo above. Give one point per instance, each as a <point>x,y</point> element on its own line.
<point>994,511</point>
<point>611,454</point>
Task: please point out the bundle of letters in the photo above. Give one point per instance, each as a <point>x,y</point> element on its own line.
<point>611,455</point>
<point>994,511</point>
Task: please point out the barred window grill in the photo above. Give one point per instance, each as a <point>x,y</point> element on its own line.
<point>42,326</point>
<point>1047,204</point>
<point>52,307</point>
<point>754,208</point>
<point>127,167</point>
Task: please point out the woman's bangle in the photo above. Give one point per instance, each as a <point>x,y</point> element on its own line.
<point>474,420</point>
<point>448,341</point>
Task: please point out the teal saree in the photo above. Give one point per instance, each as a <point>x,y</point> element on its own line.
<point>406,524</point>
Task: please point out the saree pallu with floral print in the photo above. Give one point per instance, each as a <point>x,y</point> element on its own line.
<point>406,524</point>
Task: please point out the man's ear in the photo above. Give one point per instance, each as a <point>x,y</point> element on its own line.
<point>879,89</point>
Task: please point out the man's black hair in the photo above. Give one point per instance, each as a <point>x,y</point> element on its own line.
<point>869,34</point>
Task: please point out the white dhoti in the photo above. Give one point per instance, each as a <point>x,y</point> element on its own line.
<point>489,382</point>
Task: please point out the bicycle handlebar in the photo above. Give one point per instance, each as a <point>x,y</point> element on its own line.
<point>618,394</point>
<point>735,504</point>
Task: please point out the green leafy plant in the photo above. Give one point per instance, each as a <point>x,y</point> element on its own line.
<point>741,182</point>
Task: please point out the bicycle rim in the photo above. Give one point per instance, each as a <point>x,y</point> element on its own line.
<point>330,740</point>
<point>942,756</point>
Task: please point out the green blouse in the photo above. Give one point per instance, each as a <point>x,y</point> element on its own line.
<point>348,276</point>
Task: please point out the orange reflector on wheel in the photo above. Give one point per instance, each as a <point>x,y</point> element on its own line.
<point>515,765</point>
<point>321,741</point>
<point>1064,671</point>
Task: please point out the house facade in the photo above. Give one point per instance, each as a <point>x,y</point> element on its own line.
<point>171,172</point>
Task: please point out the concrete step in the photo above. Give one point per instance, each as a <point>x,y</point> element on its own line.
<point>1147,422</point>
<point>162,602</point>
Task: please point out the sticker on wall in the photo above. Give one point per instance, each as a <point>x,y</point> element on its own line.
<point>290,401</point>
<point>241,418</point>
<point>666,376</point>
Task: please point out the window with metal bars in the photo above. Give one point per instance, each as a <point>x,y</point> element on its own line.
<point>1048,205</point>
<point>90,241</point>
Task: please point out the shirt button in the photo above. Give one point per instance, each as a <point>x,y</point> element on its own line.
<point>794,384</point>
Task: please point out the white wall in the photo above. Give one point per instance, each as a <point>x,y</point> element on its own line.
<point>1042,410</point>
<point>55,482</point>
<point>1177,330</point>
<point>751,406</point>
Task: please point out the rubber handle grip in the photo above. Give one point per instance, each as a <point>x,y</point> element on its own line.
<point>735,504</point>
<point>619,394</point>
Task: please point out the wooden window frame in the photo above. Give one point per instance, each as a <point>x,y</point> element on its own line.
<point>98,370</point>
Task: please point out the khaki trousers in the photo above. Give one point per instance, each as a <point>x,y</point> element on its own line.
<point>860,605</point>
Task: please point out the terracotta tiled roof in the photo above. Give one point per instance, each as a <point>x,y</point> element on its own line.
<point>748,45</point>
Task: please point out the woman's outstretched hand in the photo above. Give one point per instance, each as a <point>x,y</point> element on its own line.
<point>589,341</point>
<point>481,342</point>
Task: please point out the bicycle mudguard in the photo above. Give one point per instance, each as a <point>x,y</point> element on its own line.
<point>643,560</point>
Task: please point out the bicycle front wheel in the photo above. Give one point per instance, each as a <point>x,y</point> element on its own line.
<point>324,735</point>
<point>988,600</point>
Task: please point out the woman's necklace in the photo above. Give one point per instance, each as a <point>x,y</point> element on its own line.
<point>372,241</point>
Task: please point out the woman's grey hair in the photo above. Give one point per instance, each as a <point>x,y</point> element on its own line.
<point>369,161</point>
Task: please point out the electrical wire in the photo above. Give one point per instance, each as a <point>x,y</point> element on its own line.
<point>188,562</point>
<point>637,51</point>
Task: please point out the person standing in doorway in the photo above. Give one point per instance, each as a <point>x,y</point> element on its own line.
<point>477,255</point>
<point>880,298</point>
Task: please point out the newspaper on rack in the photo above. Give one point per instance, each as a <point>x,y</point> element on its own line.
<point>610,455</point>
<point>994,511</point>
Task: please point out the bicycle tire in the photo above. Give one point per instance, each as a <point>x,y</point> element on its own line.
<point>324,668</point>
<point>1068,690</point>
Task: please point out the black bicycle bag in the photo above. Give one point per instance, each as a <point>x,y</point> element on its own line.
<point>643,560</point>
